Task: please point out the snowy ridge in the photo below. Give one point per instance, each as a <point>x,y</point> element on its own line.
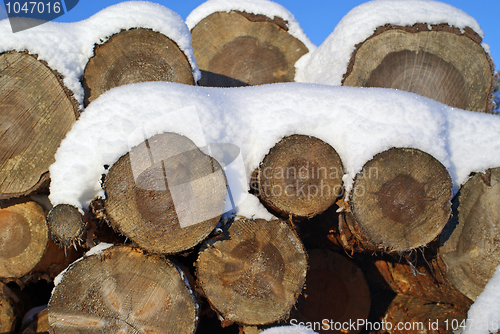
<point>357,122</point>
<point>67,47</point>
<point>328,63</point>
<point>262,7</point>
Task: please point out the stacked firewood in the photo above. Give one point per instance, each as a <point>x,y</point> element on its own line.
<point>387,252</point>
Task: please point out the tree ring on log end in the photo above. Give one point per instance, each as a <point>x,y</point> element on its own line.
<point>255,276</point>
<point>441,63</point>
<point>36,112</point>
<point>300,176</point>
<point>132,56</point>
<point>336,290</point>
<point>470,241</point>
<point>401,199</point>
<point>122,290</point>
<point>66,224</point>
<point>23,238</point>
<point>244,49</point>
<point>165,194</point>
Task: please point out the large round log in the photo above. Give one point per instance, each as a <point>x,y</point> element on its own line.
<point>131,56</point>
<point>400,200</point>
<point>165,194</point>
<point>254,276</point>
<point>122,290</point>
<point>336,290</point>
<point>301,176</point>
<point>470,240</point>
<point>36,112</point>
<point>241,49</point>
<point>441,62</point>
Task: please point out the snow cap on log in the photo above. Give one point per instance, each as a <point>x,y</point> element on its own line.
<point>67,47</point>
<point>361,22</point>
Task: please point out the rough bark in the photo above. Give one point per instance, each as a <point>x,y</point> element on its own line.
<point>165,195</point>
<point>301,176</point>
<point>254,274</point>
<point>245,49</point>
<point>122,290</point>
<point>23,238</point>
<point>440,62</point>
<point>131,56</point>
<point>410,315</point>
<point>400,200</point>
<point>36,112</point>
<point>470,247</point>
<point>335,289</point>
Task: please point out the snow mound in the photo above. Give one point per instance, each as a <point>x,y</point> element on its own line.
<point>357,122</point>
<point>67,47</point>
<point>328,63</point>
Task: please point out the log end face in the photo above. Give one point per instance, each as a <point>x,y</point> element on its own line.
<point>66,224</point>
<point>15,234</point>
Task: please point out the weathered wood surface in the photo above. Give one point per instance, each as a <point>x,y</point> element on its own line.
<point>244,49</point>
<point>254,275</point>
<point>301,176</point>
<point>335,289</point>
<point>122,290</point>
<point>131,56</point>
<point>11,309</point>
<point>36,112</point>
<point>441,63</point>
<point>39,324</point>
<point>470,240</point>
<point>169,202</point>
<point>400,201</point>
<point>66,225</point>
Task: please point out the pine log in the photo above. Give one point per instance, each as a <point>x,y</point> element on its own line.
<point>470,240</point>
<point>399,201</point>
<point>131,56</point>
<point>66,225</point>
<point>301,176</point>
<point>122,290</point>
<point>336,290</point>
<point>245,49</point>
<point>36,112</point>
<point>255,274</point>
<point>165,203</point>
<point>441,62</point>
<point>410,315</point>
<point>39,324</point>
<point>23,238</point>
<point>424,279</point>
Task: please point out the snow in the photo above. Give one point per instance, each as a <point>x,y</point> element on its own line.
<point>289,330</point>
<point>67,47</point>
<point>328,63</point>
<point>257,7</point>
<point>357,122</point>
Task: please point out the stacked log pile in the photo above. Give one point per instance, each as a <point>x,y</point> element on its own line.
<point>386,252</point>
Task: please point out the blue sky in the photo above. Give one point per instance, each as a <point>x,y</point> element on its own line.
<point>318,18</point>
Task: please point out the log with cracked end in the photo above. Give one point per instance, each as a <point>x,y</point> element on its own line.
<point>122,290</point>
<point>255,276</point>
<point>66,225</point>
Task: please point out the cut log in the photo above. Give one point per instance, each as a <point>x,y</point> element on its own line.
<point>439,62</point>
<point>36,112</point>
<point>301,176</point>
<point>470,240</point>
<point>411,315</point>
<point>23,238</point>
<point>66,225</point>
<point>122,290</point>
<point>425,279</point>
<point>400,200</point>
<point>244,49</point>
<point>254,276</point>
<point>11,309</point>
<point>131,56</point>
<point>165,195</point>
<point>39,324</point>
<point>336,290</point>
